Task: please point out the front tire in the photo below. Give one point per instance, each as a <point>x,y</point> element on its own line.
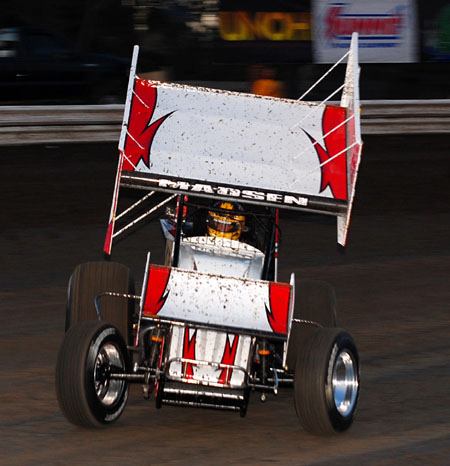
<point>86,394</point>
<point>326,383</point>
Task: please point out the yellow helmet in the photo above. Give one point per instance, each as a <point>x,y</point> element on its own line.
<point>225,225</point>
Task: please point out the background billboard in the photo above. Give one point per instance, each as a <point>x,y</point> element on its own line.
<point>265,31</point>
<point>387,30</point>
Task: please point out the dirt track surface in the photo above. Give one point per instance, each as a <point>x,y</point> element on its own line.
<point>392,286</point>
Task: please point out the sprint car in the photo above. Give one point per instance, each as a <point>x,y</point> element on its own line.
<point>213,324</point>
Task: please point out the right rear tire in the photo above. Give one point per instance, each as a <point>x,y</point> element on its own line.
<point>93,278</point>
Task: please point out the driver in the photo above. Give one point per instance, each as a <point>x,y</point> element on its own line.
<point>223,224</point>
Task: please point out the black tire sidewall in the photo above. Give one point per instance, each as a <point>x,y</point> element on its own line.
<point>104,414</point>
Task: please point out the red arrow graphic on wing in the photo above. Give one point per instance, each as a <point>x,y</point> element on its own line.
<point>141,131</point>
<point>334,173</point>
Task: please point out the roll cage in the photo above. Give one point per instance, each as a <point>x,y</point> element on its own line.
<point>189,219</point>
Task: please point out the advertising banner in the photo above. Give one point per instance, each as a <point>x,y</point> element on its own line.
<point>264,20</point>
<point>387,30</point>
<point>264,31</point>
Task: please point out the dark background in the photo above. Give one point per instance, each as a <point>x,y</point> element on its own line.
<point>181,41</point>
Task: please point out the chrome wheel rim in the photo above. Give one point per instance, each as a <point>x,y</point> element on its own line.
<point>109,359</point>
<point>345,383</point>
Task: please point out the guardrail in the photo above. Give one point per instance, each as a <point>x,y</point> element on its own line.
<point>60,123</point>
<point>405,116</point>
<point>101,123</point>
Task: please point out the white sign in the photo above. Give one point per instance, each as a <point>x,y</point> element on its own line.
<point>387,30</point>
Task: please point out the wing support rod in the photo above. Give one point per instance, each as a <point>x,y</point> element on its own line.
<point>324,76</point>
<point>144,215</point>
<point>140,201</point>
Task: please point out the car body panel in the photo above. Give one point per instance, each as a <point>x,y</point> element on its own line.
<point>219,300</point>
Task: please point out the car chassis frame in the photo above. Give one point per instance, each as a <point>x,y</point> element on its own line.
<point>214,323</point>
